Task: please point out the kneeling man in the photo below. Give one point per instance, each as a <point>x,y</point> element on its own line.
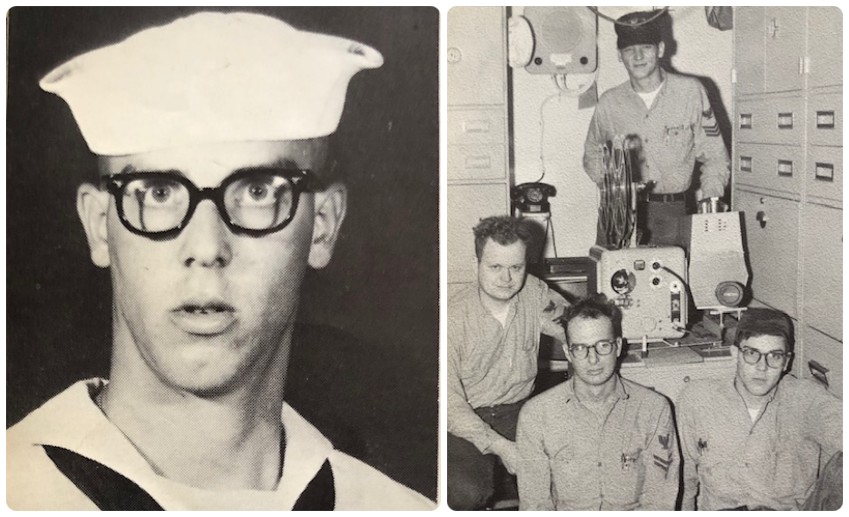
<point>597,441</point>
<point>755,441</point>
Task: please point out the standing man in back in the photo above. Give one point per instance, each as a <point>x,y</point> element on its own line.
<point>669,120</point>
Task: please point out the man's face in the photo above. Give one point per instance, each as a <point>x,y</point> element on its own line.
<point>501,269</point>
<point>641,60</point>
<point>759,378</point>
<point>594,369</point>
<point>207,309</point>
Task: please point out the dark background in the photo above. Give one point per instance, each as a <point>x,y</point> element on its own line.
<point>365,363</point>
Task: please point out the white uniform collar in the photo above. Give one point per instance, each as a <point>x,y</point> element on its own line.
<point>71,420</point>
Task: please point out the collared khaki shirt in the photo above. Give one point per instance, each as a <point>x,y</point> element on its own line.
<point>771,462</point>
<point>678,130</point>
<point>490,364</point>
<point>571,458</point>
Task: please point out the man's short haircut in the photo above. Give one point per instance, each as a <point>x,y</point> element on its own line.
<point>592,308</point>
<point>504,230</point>
<point>764,322</point>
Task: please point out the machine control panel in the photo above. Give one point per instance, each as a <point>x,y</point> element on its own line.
<point>648,285</point>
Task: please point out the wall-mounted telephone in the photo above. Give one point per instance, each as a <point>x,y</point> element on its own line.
<point>532,198</point>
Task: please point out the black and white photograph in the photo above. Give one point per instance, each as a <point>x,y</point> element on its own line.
<point>645,267</point>
<point>261,331</point>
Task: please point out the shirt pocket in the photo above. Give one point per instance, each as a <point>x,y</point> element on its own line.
<point>718,471</point>
<point>628,476</point>
<point>678,137</point>
<point>572,476</point>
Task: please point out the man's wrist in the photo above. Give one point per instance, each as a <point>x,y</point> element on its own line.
<point>497,445</point>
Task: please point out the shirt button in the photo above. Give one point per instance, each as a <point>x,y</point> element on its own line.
<point>599,464</point>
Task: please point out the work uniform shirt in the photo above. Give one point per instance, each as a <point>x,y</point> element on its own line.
<point>71,421</point>
<point>771,462</point>
<point>573,458</point>
<point>490,364</point>
<point>679,129</point>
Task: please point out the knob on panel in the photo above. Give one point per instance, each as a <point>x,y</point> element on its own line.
<point>622,282</point>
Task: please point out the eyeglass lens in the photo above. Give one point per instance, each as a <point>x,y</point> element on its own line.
<point>256,201</point>
<point>773,359</point>
<point>601,348</point>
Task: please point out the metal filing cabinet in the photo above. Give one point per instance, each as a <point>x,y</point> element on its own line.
<point>478,172</point>
<point>771,230</point>
<point>787,172</point>
<point>784,41</point>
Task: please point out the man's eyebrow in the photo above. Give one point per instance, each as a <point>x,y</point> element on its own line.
<point>768,352</point>
<point>129,169</point>
<point>283,163</point>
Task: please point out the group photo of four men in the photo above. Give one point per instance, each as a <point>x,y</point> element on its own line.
<point>756,439</point>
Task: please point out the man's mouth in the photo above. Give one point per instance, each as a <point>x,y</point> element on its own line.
<point>203,318</point>
<point>204,309</point>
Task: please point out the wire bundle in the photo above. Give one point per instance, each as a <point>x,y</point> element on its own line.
<point>617,207</point>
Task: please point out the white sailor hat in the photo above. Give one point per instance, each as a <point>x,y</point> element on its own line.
<point>210,77</point>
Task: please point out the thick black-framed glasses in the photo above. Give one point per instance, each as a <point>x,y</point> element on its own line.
<point>252,201</point>
<point>774,359</point>
<point>603,347</point>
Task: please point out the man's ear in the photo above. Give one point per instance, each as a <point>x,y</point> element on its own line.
<point>330,207</point>
<point>734,350</point>
<point>92,207</point>
<point>618,346</point>
<point>619,55</point>
<point>661,48</point>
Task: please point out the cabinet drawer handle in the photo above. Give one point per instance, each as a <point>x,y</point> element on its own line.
<point>785,120</point>
<point>818,372</point>
<point>824,172</point>
<point>478,162</point>
<point>762,218</point>
<point>785,168</point>
<point>745,121</point>
<point>745,164</point>
<point>476,126</point>
<point>825,119</point>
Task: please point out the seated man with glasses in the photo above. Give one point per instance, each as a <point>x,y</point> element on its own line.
<point>756,441</point>
<point>596,441</point>
<point>211,136</point>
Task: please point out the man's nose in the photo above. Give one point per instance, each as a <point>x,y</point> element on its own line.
<point>592,356</point>
<point>761,364</point>
<point>507,276</point>
<point>638,53</point>
<point>206,239</point>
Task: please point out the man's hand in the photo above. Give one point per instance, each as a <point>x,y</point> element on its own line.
<point>508,452</point>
